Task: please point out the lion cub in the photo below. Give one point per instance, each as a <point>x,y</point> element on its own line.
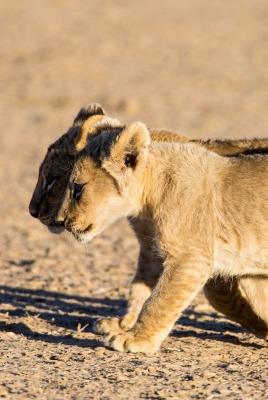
<point>209,216</point>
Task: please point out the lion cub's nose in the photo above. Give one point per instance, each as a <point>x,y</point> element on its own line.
<point>33,209</point>
<point>34,214</point>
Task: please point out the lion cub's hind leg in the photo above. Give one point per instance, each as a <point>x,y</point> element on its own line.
<point>256,292</point>
<point>242,300</point>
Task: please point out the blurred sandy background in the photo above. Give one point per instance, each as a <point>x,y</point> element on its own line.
<point>199,67</point>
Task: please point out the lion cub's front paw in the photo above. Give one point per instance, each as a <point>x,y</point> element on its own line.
<point>127,342</point>
<point>106,326</point>
<point>128,321</point>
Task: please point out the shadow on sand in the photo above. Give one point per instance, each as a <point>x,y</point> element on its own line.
<point>67,311</point>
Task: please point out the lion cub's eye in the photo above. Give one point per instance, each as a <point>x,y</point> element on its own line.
<point>77,190</point>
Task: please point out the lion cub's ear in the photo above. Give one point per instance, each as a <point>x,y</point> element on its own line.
<point>88,111</point>
<point>81,139</point>
<point>76,138</point>
<point>86,118</point>
<point>129,150</point>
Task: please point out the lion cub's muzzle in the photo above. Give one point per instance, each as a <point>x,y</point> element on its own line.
<point>46,219</point>
<point>70,226</point>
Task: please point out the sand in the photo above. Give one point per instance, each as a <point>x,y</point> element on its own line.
<point>199,67</point>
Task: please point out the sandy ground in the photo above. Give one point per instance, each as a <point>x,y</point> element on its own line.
<point>200,67</point>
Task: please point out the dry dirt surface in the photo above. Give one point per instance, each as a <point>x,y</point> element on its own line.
<point>200,67</point>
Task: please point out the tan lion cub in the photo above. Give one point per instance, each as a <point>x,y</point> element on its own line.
<point>209,216</point>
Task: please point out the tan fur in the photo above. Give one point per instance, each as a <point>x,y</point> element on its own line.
<point>81,140</point>
<point>225,297</point>
<point>208,216</point>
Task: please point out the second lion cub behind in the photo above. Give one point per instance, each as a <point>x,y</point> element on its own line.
<point>209,216</point>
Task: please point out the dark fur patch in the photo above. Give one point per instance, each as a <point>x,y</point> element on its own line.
<point>101,143</point>
<point>236,147</point>
<point>253,152</point>
<point>131,160</point>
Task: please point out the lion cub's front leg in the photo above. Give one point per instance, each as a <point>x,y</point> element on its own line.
<point>147,275</point>
<point>150,266</point>
<point>177,287</point>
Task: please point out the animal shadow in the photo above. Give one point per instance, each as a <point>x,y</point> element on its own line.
<point>70,311</point>
<point>58,309</point>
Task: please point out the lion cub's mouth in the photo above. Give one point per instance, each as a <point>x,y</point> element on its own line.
<point>78,234</point>
<point>55,228</point>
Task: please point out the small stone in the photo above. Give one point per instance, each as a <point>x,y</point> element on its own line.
<point>208,375</point>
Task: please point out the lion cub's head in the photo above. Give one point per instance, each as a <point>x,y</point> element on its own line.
<point>55,170</point>
<point>106,182</point>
